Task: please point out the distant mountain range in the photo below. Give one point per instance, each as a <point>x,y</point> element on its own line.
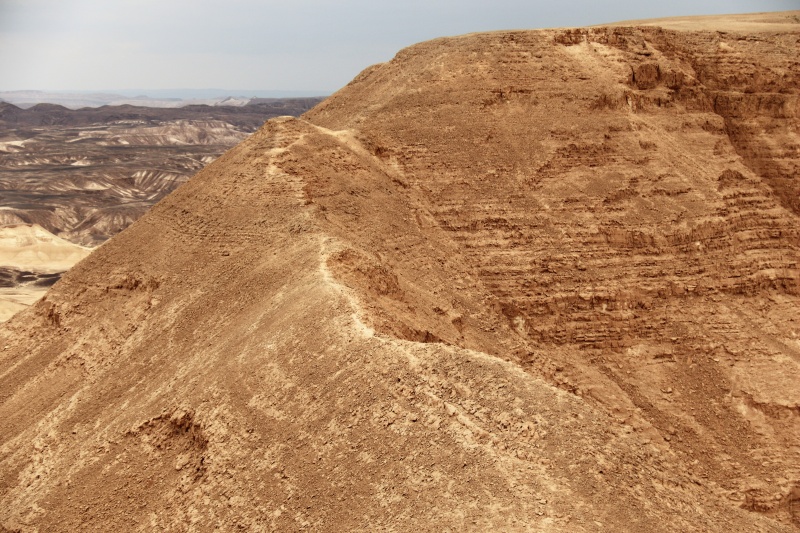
<point>148,98</point>
<point>71,178</point>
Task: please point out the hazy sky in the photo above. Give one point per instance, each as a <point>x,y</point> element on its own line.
<point>316,45</point>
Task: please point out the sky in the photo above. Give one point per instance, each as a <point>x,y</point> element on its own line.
<point>286,45</point>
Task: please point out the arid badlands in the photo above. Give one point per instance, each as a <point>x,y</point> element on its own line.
<point>515,281</point>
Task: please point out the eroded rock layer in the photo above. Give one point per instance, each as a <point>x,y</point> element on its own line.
<point>538,280</point>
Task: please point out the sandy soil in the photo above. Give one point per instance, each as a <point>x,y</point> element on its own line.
<point>31,247</point>
<point>15,299</point>
<point>745,23</point>
<point>29,255</point>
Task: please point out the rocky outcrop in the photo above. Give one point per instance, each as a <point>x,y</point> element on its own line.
<point>625,199</point>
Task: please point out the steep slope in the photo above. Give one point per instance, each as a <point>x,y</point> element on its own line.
<point>508,281</point>
<point>627,197</point>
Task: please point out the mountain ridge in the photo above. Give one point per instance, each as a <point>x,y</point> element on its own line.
<point>520,280</point>
<point>163,99</point>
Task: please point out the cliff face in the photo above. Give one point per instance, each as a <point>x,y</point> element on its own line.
<point>628,199</point>
<point>521,280</point>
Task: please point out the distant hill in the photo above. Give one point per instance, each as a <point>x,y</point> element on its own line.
<point>250,116</point>
<point>149,98</point>
<point>86,174</point>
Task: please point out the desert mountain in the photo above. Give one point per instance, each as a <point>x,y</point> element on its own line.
<point>31,247</point>
<point>86,174</point>
<point>31,260</point>
<point>155,98</point>
<point>531,280</point>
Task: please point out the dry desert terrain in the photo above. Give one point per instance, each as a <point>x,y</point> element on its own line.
<point>514,281</point>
